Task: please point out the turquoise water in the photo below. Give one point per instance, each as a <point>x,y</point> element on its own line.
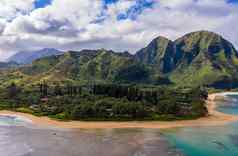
<point>230,106</point>
<point>206,141</point>
<point>209,141</point>
<point>8,120</point>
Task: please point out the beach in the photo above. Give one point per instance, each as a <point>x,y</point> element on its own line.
<point>31,135</point>
<point>214,118</point>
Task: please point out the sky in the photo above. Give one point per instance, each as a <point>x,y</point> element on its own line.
<point>119,25</point>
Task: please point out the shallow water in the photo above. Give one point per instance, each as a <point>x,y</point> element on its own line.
<point>19,138</point>
<point>209,141</point>
<point>230,106</point>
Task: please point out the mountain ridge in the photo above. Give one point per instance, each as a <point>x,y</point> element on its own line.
<point>199,58</point>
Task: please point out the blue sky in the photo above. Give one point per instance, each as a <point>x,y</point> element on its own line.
<point>232,1</point>
<point>42,3</point>
<point>136,9</point>
<point>120,25</point>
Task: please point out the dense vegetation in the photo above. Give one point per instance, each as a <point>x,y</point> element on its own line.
<point>105,102</point>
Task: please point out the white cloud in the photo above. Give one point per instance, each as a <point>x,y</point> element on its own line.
<point>60,17</point>
<point>12,8</point>
<point>77,24</point>
<point>3,23</point>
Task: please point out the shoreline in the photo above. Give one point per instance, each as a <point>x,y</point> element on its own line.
<point>214,118</point>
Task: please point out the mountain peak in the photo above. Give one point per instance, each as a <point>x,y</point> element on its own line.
<point>48,49</point>
<point>198,47</point>
<point>204,32</point>
<point>27,57</point>
<point>161,38</point>
<point>158,53</point>
<point>206,42</point>
<point>198,36</point>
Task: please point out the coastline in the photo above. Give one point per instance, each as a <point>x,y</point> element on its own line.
<point>214,118</point>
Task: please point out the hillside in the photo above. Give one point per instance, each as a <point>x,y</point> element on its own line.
<point>87,66</point>
<point>197,59</point>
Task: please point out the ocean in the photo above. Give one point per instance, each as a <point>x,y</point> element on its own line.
<point>209,141</point>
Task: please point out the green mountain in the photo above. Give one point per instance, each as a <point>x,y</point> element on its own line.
<point>198,58</point>
<point>205,59</point>
<point>159,54</point>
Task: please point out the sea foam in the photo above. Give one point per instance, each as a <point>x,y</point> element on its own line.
<point>10,119</point>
